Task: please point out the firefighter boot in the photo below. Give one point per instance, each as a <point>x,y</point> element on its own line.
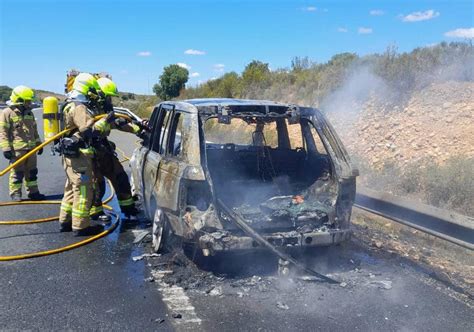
<point>130,211</point>
<point>65,227</point>
<point>102,218</point>
<point>36,196</point>
<point>89,231</point>
<point>16,197</point>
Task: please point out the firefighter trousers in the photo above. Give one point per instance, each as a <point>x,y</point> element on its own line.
<point>107,165</point>
<point>27,171</point>
<point>78,192</point>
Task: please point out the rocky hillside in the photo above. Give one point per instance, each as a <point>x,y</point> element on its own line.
<point>435,124</point>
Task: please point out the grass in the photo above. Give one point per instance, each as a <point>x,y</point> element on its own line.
<point>449,185</point>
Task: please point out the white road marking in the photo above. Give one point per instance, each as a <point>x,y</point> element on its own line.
<point>177,301</point>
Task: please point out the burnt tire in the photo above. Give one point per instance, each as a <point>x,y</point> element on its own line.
<point>163,238</point>
<point>158,230</point>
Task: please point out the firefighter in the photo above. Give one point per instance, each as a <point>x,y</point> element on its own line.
<point>19,135</point>
<point>78,156</point>
<point>107,163</point>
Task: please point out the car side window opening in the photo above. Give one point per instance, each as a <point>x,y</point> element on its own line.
<point>173,146</point>
<point>157,130</point>
<point>165,128</point>
<point>148,139</point>
<point>160,130</point>
<point>312,138</point>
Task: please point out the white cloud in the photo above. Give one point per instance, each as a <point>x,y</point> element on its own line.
<point>219,67</point>
<point>341,29</point>
<point>194,52</point>
<point>144,53</point>
<point>461,33</point>
<point>364,31</point>
<point>376,12</point>
<point>183,65</point>
<point>420,16</point>
<point>310,9</point>
<point>195,74</point>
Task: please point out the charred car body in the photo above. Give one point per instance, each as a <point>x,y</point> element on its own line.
<point>281,167</point>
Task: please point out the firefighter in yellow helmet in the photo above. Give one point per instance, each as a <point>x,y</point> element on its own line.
<point>107,163</point>
<point>78,155</point>
<point>19,135</point>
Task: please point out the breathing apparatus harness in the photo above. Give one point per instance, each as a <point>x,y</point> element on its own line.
<point>71,143</point>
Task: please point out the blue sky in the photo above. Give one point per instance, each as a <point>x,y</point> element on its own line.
<point>134,39</point>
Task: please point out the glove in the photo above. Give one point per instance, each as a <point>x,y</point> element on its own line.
<point>120,122</point>
<point>40,152</point>
<point>141,134</point>
<point>145,124</point>
<point>8,155</point>
<point>110,117</point>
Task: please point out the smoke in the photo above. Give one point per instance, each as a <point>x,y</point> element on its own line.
<point>359,86</point>
<point>402,75</point>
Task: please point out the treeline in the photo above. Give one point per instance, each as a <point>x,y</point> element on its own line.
<point>309,82</point>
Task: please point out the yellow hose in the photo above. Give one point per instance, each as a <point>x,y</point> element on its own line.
<point>22,222</point>
<point>68,247</point>
<point>40,220</point>
<point>42,145</point>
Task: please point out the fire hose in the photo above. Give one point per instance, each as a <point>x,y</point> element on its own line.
<point>40,220</point>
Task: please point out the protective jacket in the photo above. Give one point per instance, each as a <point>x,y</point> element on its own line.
<point>78,190</point>
<point>108,165</point>
<point>18,130</point>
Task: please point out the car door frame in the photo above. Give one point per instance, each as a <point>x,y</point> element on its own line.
<point>151,162</point>
<point>139,155</point>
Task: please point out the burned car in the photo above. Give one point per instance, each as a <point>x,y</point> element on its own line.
<point>280,167</point>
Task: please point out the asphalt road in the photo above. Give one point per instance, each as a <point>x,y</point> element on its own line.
<point>100,287</point>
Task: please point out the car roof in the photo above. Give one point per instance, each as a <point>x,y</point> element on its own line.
<point>205,104</point>
<point>231,102</point>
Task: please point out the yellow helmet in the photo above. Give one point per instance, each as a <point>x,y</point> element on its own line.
<point>85,83</point>
<point>107,86</point>
<point>21,93</point>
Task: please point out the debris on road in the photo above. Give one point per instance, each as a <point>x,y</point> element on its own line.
<point>140,257</point>
<point>382,284</point>
<point>377,244</point>
<point>216,291</point>
<point>140,235</point>
<point>176,315</point>
<point>281,305</point>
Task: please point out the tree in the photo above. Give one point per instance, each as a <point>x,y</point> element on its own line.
<point>229,86</point>
<point>5,92</point>
<point>172,81</point>
<point>256,72</point>
<point>299,64</point>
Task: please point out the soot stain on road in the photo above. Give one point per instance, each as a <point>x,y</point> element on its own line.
<point>377,290</point>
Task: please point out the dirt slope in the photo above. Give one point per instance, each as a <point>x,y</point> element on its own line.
<point>436,123</point>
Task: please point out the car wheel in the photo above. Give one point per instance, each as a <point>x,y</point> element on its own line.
<point>158,230</point>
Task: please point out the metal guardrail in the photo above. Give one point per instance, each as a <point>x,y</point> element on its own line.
<point>447,225</point>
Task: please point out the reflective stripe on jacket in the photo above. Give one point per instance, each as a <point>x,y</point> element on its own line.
<point>18,130</point>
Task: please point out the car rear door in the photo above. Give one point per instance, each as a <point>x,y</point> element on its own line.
<point>172,167</point>
<point>139,155</point>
